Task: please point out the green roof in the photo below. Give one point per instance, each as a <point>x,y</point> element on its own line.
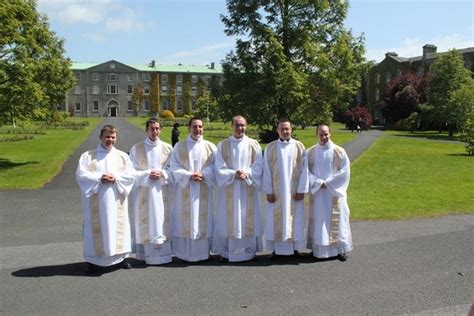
<point>159,68</point>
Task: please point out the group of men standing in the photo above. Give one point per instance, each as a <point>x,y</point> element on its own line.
<point>172,194</point>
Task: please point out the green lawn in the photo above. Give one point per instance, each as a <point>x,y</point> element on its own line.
<point>29,164</point>
<point>402,177</point>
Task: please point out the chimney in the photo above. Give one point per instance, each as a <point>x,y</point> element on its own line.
<point>152,64</point>
<point>393,54</point>
<point>212,65</point>
<point>428,49</point>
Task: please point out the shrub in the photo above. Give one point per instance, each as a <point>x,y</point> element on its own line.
<point>358,116</point>
<point>167,114</point>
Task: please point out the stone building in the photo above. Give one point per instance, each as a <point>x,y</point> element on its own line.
<point>393,65</point>
<point>115,89</point>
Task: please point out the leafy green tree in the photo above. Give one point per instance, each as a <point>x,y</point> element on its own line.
<point>207,106</point>
<point>34,74</point>
<point>448,75</point>
<point>293,59</point>
<point>137,97</point>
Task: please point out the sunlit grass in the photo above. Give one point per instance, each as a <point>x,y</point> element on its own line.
<point>401,177</point>
<point>29,164</point>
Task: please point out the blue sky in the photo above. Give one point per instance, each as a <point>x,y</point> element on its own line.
<point>190,31</point>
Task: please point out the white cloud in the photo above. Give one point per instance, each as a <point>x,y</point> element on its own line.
<point>76,11</point>
<point>126,21</point>
<point>411,47</point>
<point>95,37</point>
<point>199,56</point>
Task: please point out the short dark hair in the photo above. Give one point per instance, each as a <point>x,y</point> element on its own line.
<point>283,120</point>
<point>194,118</point>
<point>108,129</point>
<point>152,120</point>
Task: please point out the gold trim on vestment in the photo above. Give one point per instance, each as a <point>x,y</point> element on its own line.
<point>203,192</point>
<point>277,209</point>
<point>95,212</point>
<point>229,192</point>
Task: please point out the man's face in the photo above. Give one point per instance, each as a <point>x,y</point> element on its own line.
<point>108,140</point>
<point>196,129</point>
<point>323,134</point>
<point>284,130</point>
<point>239,126</point>
<point>154,131</point>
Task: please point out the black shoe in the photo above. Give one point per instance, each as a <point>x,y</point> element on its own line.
<point>93,269</point>
<point>126,265</point>
<point>342,257</point>
<point>223,260</point>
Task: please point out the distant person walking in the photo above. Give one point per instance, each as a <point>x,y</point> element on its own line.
<point>175,134</point>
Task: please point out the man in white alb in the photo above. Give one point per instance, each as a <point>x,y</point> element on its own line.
<point>329,232</point>
<point>285,181</point>
<point>192,166</point>
<point>150,159</point>
<point>105,176</point>
<point>238,166</point>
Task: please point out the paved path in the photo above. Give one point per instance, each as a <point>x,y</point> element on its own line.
<point>361,143</point>
<point>420,266</point>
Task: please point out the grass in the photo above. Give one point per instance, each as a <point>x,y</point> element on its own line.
<point>400,178</point>
<point>217,131</point>
<point>29,164</point>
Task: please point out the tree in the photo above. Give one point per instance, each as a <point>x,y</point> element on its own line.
<point>206,105</point>
<point>137,97</point>
<point>34,74</point>
<point>293,59</point>
<point>448,75</point>
<point>154,94</point>
<point>402,96</point>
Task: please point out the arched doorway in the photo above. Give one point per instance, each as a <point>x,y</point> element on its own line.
<point>113,107</point>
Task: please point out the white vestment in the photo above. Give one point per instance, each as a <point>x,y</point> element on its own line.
<point>329,232</point>
<point>193,203</point>
<point>238,226</point>
<point>285,173</point>
<point>150,202</point>
<point>106,230</point>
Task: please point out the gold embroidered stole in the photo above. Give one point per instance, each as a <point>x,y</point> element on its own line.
<point>203,191</point>
<point>335,206</point>
<point>143,192</point>
<point>229,191</point>
<point>277,207</point>
<point>95,214</point>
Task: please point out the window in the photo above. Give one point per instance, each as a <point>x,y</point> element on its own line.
<point>179,105</point>
<point>377,94</point>
<point>77,89</point>
<point>129,89</point>
<point>420,71</point>
<point>164,90</point>
<point>95,106</point>
<point>164,105</point>
<point>377,77</point>
<point>95,76</point>
<point>179,90</point>
<point>112,77</point>
<point>78,107</point>
<point>146,105</point>
<point>194,78</point>
<point>129,106</point>
<point>59,107</point>
<point>194,91</point>
<point>129,77</point>
<point>146,89</point>
<point>387,77</point>
<point>399,72</point>
<point>77,76</point>
<point>95,90</point>
<point>146,76</point>
<point>193,105</point>
<point>112,89</point>
<point>208,79</point>
<point>164,79</point>
<point>179,79</point>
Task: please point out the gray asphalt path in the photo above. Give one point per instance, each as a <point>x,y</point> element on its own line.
<point>361,143</point>
<point>420,266</point>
